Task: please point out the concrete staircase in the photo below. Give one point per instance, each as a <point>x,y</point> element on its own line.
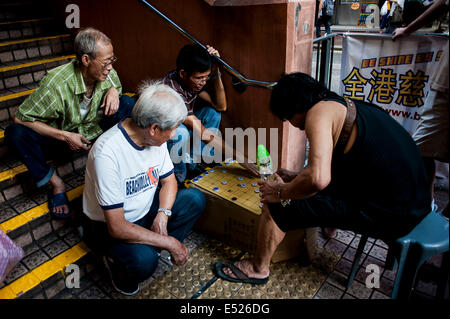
<point>32,43</point>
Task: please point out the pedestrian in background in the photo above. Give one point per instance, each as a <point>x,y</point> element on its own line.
<point>325,14</point>
<point>393,10</point>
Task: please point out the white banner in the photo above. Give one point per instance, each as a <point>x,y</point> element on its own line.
<point>393,75</point>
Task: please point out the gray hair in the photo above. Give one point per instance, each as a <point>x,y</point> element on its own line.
<point>85,42</point>
<point>158,104</point>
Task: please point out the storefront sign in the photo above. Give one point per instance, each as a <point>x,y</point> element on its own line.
<point>368,14</point>
<point>393,75</point>
<point>355,6</point>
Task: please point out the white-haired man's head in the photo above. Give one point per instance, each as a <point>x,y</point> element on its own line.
<point>158,104</point>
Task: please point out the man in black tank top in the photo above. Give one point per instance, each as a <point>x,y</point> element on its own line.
<point>374,183</point>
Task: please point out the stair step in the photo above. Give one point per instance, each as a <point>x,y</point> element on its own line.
<point>29,72</point>
<point>8,43</point>
<point>26,28</point>
<point>15,3</point>
<point>40,276</point>
<point>21,10</point>
<point>24,21</point>
<point>21,65</point>
<point>10,102</point>
<point>26,218</point>
<point>3,126</point>
<point>15,178</point>
<point>13,96</point>
<point>50,245</point>
<point>43,47</point>
<point>16,223</point>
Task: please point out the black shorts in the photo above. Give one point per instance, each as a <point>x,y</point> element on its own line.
<point>325,210</point>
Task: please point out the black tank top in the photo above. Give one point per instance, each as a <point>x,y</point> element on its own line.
<point>383,173</point>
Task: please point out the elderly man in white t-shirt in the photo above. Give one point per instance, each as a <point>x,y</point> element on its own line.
<point>131,206</point>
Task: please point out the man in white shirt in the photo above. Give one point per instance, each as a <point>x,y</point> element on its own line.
<point>127,217</point>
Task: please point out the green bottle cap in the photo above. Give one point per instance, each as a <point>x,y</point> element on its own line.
<point>263,156</point>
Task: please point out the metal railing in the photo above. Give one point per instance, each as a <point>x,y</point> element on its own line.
<point>325,49</point>
<point>239,81</point>
<point>324,58</point>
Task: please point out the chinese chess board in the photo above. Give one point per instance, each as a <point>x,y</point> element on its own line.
<point>232,182</point>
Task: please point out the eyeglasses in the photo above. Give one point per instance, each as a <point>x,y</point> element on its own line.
<point>110,62</point>
<point>200,79</point>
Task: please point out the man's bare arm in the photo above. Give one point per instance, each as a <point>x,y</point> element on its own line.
<point>216,142</point>
<point>219,99</point>
<point>121,229</point>
<point>435,10</point>
<point>317,175</point>
<point>167,197</point>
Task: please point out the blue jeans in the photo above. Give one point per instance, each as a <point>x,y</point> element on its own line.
<point>326,21</point>
<point>35,149</point>
<point>137,262</point>
<point>210,119</point>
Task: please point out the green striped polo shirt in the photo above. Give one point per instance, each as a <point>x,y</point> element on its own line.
<point>56,102</point>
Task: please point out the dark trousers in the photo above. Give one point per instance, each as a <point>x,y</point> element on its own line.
<point>35,149</point>
<point>137,262</point>
<point>326,21</point>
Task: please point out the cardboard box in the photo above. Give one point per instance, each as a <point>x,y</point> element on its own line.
<point>238,227</point>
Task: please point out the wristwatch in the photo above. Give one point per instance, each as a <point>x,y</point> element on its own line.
<point>284,202</point>
<point>166,211</point>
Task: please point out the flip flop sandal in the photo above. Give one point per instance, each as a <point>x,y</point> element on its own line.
<point>58,200</point>
<point>241,277</point>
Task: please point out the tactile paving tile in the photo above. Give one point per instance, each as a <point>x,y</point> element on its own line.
<point>248,291</point>
<point>184,281</point>
<point>288,280</point>
<point>221,290</point>
<point>154,292</point>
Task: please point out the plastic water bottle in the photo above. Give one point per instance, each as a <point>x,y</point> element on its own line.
<point>264,163</point>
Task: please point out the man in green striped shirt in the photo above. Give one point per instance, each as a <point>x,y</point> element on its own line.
<point>63,114</point>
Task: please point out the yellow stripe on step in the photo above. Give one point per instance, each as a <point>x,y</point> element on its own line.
<point>76,192</point>
<point>23,284</point>
<point>16,95</point>
<point>36,212</point>
<point>46,270</point>
<point>13,223</point>
<point>2,135</point>
<point>3,44</point>
<point>7,293</point>
<point>26,65</point>
<point>72,255</point>
<point>25,21</point>
<point>10,173</point>
<point>43,272</point>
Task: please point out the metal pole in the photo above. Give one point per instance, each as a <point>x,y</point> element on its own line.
<point>227,67</point>
<point>331,63</point>
<point>324,62</point>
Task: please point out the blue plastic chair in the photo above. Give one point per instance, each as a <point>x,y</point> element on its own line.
<point>429,238</point>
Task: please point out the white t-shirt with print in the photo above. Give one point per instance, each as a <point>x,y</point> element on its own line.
<point>120,173</point>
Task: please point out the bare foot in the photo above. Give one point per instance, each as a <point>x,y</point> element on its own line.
<point>247,267</point>
<point>330,232</point>
<point>58,187</point>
